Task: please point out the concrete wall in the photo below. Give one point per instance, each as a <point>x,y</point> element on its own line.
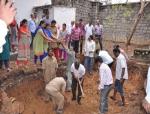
<point>83,10</point>
<point>118,21</point>
<point>24,7</point>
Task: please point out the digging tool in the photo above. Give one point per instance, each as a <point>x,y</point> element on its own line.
<point>83,95</point>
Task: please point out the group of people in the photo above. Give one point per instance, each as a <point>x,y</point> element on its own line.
<point>50,47</point>
<point>76,73</point>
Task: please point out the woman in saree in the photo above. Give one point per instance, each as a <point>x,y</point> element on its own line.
<point>24,44</point>
<point>40,43</point>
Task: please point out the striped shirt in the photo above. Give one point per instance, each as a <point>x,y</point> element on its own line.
<point>75,34</point>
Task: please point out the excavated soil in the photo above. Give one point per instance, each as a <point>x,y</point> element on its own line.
<point>30,92</point>
<point>28,88</point>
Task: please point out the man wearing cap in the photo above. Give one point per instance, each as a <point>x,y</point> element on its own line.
<point>107,59</point>
<point>106,81</point>
<point>78,72</point>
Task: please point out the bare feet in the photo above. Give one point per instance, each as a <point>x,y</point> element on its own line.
<point>113,98</point>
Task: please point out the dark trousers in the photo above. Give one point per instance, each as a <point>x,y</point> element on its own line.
<point>99,37</point>
<point>81,44</point>
<point>110,65</point>
<point>69,42</point>
<point>75,45</point>
<point>104,98</point>
<point>32,35</point>
<point>74,87</point>
<point>5,62</point>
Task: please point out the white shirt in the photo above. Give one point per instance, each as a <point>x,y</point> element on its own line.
<point>98,29</point>
<point>105,76</point>
<point>89,48</point>
<point>107,59</point>
<point>32,26</point>
<point>148,87</point>
<point>120,64</point>
<point>78,73</point>
<point>3,33</point>
<point>88,31</point>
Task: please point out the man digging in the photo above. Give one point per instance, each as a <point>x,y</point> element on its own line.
<point>56,90</point>
<point>78,72</point>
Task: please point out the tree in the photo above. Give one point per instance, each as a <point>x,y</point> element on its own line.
<point>137,20</point>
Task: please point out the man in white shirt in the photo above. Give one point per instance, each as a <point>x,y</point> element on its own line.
<point>107,59</point>
<point>78,72</point>
<point>7,14</point>
<point>56,89</point>
<point>89,50</point>
<point>121,75</point>
<point>88,30</point>
<point>146,101</point>
<point>32,27</point>
<point>106,81</point>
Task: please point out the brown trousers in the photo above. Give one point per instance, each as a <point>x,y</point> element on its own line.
<point>57,99</point>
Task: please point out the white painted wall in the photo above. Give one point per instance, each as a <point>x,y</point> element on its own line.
<point>42,2</point>
<point>64,15</point>
<point>24,7</point>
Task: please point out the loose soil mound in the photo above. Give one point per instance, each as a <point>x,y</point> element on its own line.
<point>30,93</point>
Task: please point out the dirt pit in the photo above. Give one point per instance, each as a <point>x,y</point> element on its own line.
<point>30,90</point>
